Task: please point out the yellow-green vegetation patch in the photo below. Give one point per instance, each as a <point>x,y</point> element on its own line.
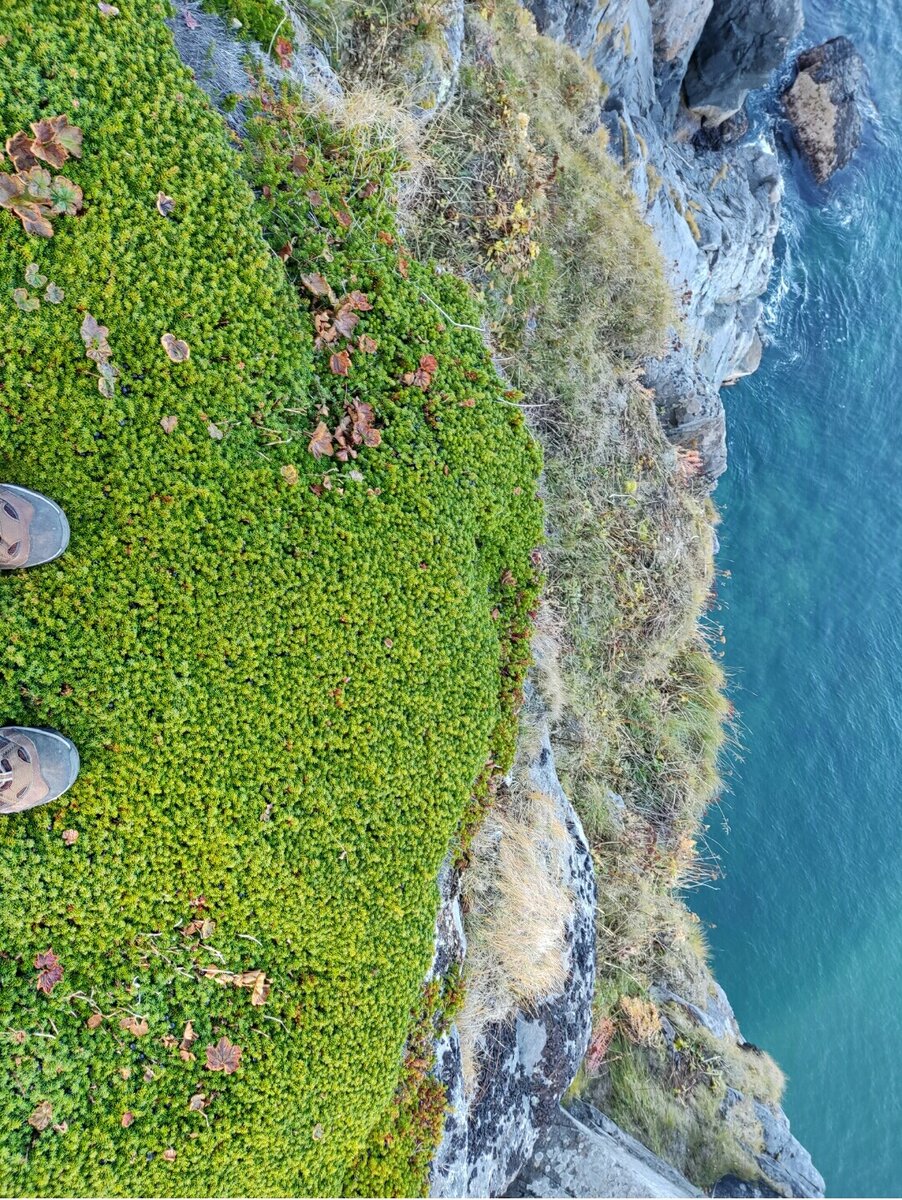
<point>284,672</point>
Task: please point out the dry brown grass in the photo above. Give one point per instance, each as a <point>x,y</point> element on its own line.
<point>640,1020</point>
<point>517,911</point>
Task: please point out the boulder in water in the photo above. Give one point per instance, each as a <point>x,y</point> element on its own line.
<point>824,104</point>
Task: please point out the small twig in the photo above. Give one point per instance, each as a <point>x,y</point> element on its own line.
<point>275,33</point>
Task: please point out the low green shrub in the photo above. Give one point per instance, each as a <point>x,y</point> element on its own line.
<point>283,673</point>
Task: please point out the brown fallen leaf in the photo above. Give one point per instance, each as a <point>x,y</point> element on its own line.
<point>356,300</point>
<point>94,1020</point>
<point>189,1037</point>
<point>320,444</point>
<point>137,1026</point>
<point>20,149</point>
<point>198,1102</point>
<point>290,474</point>
<point>260,989</point>
<point>299,162</point>
<point>284,51</point>
<point>215,432</point>
<point>315,198</point>
<point>343,217</point>
<point>317,285</point>
<point>70,836</point>
<point>11,188</point>
<point>42,1116</point>
<point>178,351</point>
<point>169,1041</point>
<point>340,363</point>
<point>127,1119</point>
<point>107,10</point>
<point>429,363</point>
<point>224,1056</point>
<point>165,204</point>
<point>169,1155</point>
<point>418,378</point>
<point>346,322</point>
<point>366,344</point>
<point>55,139</point>
<point>205,928</point>
<point>168,424</point>
<point>50,971</point>
<point>34,219</point>
<point>284,252</point>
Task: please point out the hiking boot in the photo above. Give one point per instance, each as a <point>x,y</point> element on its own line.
<point>36,766</point>
<point>33,530</point>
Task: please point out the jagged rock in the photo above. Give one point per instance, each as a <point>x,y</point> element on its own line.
<point>824,105</point>
<point>742,1189</point>
<point>784,1162</point>
<point>739,48</point>
<point>583,1153</point>
<point>532,1059</point>
<point>676,28</point>
<point>430,65</point>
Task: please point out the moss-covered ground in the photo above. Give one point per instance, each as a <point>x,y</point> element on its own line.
<point>283,673</point>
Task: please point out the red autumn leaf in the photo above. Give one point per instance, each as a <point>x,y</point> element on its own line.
<point>223,1057</point>
<point>385,238</point>
<point>55,139</point>
<point>284,252</point>
<point>284,51</point>
<point>176,349</point>
<point>165,204</point>
<point>50,971</point>
<point>428,363</point>
<point>20,149</point>
<point>403,265</point>
<point>317,285</point>
<point>366,344</point>
<point>34,219</point>
<point>127,1119</point>
<point>320,445</point>
<point>363,427</point>
<point>340,363</point>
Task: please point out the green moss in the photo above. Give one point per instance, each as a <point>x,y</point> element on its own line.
<point>260,19</point>
<point>282,693</point>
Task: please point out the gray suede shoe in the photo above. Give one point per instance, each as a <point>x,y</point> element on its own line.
<point>33,529</point>
<point>36,766</point>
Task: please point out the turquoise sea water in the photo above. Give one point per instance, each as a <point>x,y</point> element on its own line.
<point>807,933</point>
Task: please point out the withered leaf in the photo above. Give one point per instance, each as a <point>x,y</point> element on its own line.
<point>366,344</point>
<point>340,363</point>
<point>284,252</point>
<point>429,363</point>
<point>42,1116</point>
<point>21,150</point>
<point>168,424</point>
<point>315,198</point>
<point>169,1042</point>
<point>169,1155</point>
<point>70,836</point>
<point>11,188</point>
<point>165,204</point>
<point>50,971</point>
<point>346,322</point>
<point>94,1020</point>
<point>224,1056</point>
<point>34,219</point>
<point>215,432</point>
<point>317,285</point>
<point>189,1037</point>
<point>260,988</point>
<point>284,50</point>
<point>320,444</point>
<point>198,1102</point>
<point>178,351</point>
<point>55,139</point>
<point>356,300</point>
<point>363,429</point>
<point>289,473</point>
<point>344,218</point>
<point>299,162</point>
<point>127,1119</point>
<point>318,1133</point>
<point>403,265</point>
<point>418,378</point>
<point>37,182</point>
<point>107,10</point>
<point>135,1025</point>
<point>25,302</point>
<point>190,19</point>
<point>54,294</point>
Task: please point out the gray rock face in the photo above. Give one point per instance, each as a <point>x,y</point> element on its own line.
<point>824,105</point>
<point>741,45</point>
<point>676,27</point>
<point>784,1161</point>
<point>532,1059</point>
<point>583,1153</point>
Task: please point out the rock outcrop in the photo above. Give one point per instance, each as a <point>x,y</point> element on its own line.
<point>739,48</point>
<point>531,1059</point>
<point>824,105</point>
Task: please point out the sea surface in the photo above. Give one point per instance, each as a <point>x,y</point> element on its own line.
<point>807,921</point>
